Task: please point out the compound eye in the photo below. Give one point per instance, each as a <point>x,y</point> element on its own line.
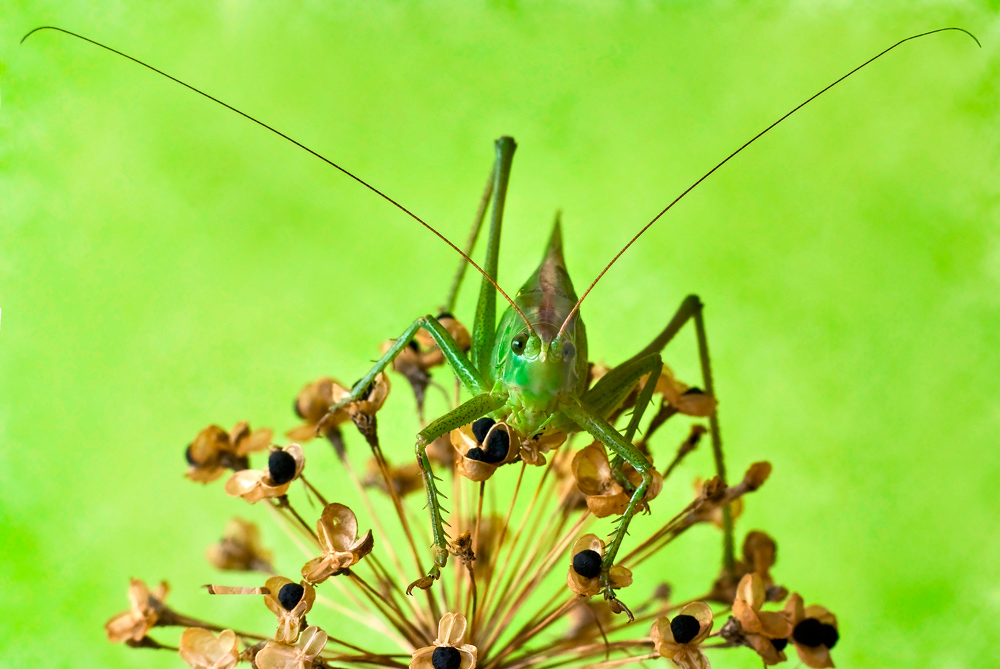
<point>518,343</point>
<point>568,350</point>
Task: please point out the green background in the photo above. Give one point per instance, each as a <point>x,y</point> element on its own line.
<point>164,265</point>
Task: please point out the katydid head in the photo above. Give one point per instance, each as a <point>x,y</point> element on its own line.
<point>541,366</point>
<point>533,358</point>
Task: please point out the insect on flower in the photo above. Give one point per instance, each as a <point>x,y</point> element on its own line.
<point>530,395</point>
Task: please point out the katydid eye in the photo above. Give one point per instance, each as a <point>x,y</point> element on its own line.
<point>518,343</point>
<point>568,350</point>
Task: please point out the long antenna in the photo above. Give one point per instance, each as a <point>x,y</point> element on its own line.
<point>298,144</point>
<point>725,160</point>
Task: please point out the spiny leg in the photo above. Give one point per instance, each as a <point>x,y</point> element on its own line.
<point>469,377</point>
<point>692,308</point>
<point>600,429</point>
<point>605,397</point>
<point>465,413</point>
<point>453,354</point>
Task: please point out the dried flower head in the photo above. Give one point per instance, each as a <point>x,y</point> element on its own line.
<point>214,450</point>
<point>678,638</point>
<point>421,354</point>
<point>312,405</point>
<point>203,650</point>
<point>144,612</point>
<point>240,549</point>
<point>584,576</point>
<point>483,446</point>
<point>814,632</point>
<point>492,581</point>
<point>606,496</point>
<point>290,602</point>
<point>447,651</point>
<point>760,552</point>
<point>714,514</point>
<point>284,465</point>
<point>686,399</point>
<point>751,594</point>
<point>293,655</point>
<point>362,410</point>
<point>337,530</point>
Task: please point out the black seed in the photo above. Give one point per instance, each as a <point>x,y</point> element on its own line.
<point>830,635</point>
<point>290,595</point>
<point>779,644</point>
<point>587,563</point>
<point>187,455</point>
<point>481,427</point>
<point>446,657</point>
<point>295,408</point>
<point>684,627</point>
<point>444,314</point>
<point>693,390</point>
<point>497,446</point>
<point>809,632</point>
<point>476,454</point>
<point>281,467</point>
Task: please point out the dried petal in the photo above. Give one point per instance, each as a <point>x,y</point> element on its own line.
<point>254,485</point>
<point>301,655</point>
<point>289,620</point>
<point>751,594</point>
<point>337,530</point>
<point>687,654</point>
<point>451,629</point>
<point>141,617</point>
<point>202,650</point>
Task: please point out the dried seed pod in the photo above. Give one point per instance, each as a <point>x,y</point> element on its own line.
<point>311,405</point>
<point>144,613</point>
<point>337,530</point>
<point>751,595</point>
<point>213,450</point>
<point>678,638</point>
<point>447,648</point>
<point>203,650</point>
<point>284,466</point>
<point>290,602</point>
<point>588,583</point>
<point>293,655</point>
<point>240,549</point>
<point>605,496</point>
<point>470,457</point>
<point>814,632</point>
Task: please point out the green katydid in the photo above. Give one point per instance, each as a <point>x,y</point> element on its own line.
<point>530,369</point>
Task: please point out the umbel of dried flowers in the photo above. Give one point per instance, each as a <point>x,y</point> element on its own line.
<point>523,511</point>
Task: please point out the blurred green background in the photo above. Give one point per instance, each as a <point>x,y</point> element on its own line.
<point>165,265</point>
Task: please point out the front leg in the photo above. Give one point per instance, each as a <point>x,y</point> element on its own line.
<point>603,431</point>
<point>453,354</point>
<point>464,414</point>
